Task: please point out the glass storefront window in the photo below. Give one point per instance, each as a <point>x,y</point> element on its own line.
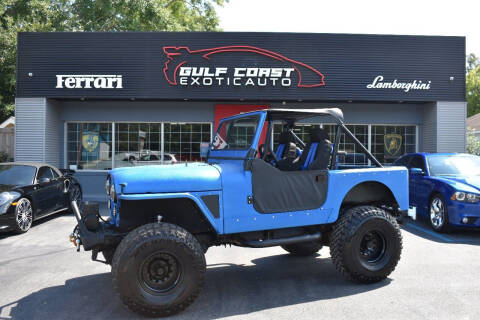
<point>89,145</point>
<point>388,142</point>
<point>137,144</point>
<point>182,140</point>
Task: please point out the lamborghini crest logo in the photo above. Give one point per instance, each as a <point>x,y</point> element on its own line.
<point>90,141</point>
<point>393,143</point>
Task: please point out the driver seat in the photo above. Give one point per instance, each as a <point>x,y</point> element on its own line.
<point>316,154</point>
<point>285,144</point>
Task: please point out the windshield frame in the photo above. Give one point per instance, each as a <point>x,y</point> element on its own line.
<point>433,156</point>
<point>238,154</point>
<point>35,170</point>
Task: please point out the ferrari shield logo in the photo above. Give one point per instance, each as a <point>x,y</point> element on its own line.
<point>393,143</point>
<point>90,141</point>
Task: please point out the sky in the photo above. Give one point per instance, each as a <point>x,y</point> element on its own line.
<point>419,17</point>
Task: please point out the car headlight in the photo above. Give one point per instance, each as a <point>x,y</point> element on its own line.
<point>466,197</point>
<point>6,199</point>
<point>113,193</point>
<point>107,186</point>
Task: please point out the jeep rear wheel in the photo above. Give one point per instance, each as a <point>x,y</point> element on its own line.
<point>303,248</point>
<point>366,244</point>
<point>158,269</point>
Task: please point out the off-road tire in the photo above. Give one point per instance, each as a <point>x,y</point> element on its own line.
<point>158,240</point>
<point>303,248</point>
<point>351,230</point>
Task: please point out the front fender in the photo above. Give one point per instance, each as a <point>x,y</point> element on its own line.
<point>214,218</point>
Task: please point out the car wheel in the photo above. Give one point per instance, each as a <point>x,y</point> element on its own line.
<point>366,244</point>
<point>158,269</point>
<point>23,215</point>
<point>303,248</point>
<point>438,214</point>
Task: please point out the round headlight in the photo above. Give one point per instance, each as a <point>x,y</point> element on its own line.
<point>460,196</point>
<point>113,193</point>
<point>107,186</point>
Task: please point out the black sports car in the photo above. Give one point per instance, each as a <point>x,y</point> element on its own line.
<point>30,191</point>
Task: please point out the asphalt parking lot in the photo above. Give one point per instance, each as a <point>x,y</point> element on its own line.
<point>43,277</point>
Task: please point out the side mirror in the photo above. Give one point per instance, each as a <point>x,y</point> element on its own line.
<point>44,180</point>
<point>416,171</point>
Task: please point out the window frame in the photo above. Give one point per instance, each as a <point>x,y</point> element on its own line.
<point>113,123</point>
<point>37,176</point>
<point>234,119</point>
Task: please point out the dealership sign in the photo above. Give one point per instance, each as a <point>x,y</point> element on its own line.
<point>90,81</point>
<point>202,68</point>
<point>379,83</point>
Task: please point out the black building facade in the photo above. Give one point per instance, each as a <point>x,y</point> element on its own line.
<point>95,101</point>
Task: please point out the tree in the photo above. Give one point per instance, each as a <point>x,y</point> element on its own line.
<point>472,61</point>
<point>473,144</point>
<point>92,15</point>
<point>473,84</point>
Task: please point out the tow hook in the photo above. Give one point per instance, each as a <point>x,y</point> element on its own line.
<point>75,239</point>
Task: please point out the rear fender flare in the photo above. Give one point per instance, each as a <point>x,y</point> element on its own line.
<point>381,193</point>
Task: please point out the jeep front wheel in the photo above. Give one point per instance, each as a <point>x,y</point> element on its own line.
<point>158,269</point>
<point>303,248</point>
<point>366,244</point>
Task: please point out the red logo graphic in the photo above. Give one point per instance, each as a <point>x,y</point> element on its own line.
<point>179,56</point>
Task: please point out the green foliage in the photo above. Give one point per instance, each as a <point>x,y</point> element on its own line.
<point>4,156</point>
<point>473,85</point>
<point>472,62</point>
<point>92,15</point>
<point>473,143</point>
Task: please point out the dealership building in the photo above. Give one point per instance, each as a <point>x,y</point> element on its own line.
<point>96,101</point>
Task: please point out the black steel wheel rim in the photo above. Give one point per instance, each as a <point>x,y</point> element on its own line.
<point>372,247</point>
<point>160,272</point>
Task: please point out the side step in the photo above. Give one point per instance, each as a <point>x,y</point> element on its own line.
<point>283,241</point>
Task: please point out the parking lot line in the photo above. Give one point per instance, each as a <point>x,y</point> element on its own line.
<point>429,232</point>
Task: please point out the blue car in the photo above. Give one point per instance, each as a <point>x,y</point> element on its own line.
<point>444,188</point>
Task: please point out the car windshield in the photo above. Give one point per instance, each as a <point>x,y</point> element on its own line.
<point>454,165</point>
<point>16,175</point>
<point>236,133</point>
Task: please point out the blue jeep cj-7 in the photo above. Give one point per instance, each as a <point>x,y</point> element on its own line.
<point>299,196</point>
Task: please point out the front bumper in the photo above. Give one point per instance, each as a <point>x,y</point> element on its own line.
<point>457,211</point>
<point>7,221</point>
<point>97,237</point>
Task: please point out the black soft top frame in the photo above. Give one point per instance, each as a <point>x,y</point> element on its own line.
<point>291,116</point>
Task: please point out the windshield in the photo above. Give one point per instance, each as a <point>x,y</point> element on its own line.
<point>236,134</point>
<point>16,175</point>
<point>454,165</point>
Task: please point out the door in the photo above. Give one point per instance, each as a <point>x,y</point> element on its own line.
<point>47,191</point>
<point>416,181</point>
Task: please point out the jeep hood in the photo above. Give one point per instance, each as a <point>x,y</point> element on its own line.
<point>167,178</point>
